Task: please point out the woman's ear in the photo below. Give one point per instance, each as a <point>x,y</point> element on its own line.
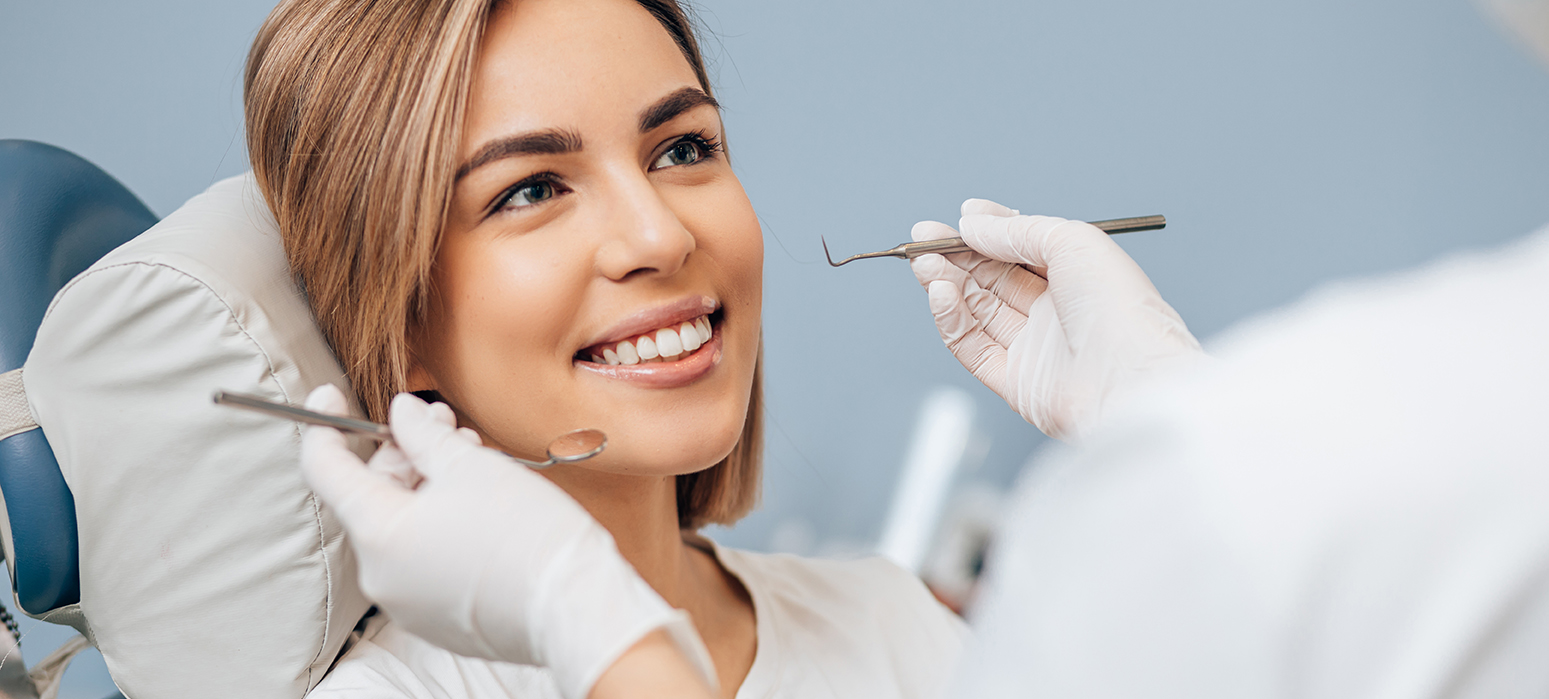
<point>416,375</point>
<point>422,384</point>
<point>418,378</point>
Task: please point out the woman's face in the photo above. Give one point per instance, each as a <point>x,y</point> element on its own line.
<point>595,224</point>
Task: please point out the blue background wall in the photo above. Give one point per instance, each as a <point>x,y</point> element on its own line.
<point>1288,143</point>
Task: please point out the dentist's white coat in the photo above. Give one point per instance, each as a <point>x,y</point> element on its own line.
<point>1353,502</point>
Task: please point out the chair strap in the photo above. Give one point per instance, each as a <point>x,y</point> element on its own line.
<point>46,675</point>
<point>15,414</point>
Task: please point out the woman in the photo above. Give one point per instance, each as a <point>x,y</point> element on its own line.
<point>526,207</point>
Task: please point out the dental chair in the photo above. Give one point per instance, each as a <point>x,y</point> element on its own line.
<point>58,214</point>
<point>176,535</point>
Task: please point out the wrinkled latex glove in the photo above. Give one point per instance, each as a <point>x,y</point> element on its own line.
<point>1049,313</point>
<point>480,555</point>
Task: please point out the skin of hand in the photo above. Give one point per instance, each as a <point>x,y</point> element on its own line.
<point>1051,314</point>
<point>481,555</point>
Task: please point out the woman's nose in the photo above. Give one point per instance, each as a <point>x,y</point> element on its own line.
<point>645,236</point>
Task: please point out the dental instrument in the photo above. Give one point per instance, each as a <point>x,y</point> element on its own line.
<point>568,448</point>
<point>946,246</point>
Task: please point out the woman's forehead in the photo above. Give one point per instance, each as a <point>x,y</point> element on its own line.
<point>579,64</point>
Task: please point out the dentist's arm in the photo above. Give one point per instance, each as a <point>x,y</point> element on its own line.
<point>488,559</point>
<point>1050,314</point>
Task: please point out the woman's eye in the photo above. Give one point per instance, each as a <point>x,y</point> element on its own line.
<point>681,153</point>
<point>528,195</point>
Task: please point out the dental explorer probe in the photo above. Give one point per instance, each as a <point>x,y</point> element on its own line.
<point>569,448</point>
<point>946,246</point>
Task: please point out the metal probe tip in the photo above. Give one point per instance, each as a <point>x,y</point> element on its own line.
<point>831,262</point>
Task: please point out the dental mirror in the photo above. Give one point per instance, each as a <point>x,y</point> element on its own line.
<point>569,448</point>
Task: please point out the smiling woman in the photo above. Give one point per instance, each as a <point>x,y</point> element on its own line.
<point>527,208</point>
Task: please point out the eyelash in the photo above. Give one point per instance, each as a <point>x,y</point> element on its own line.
<point>708,148</point>
<point>549,178</point>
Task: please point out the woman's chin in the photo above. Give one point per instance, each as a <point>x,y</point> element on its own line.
<point>664,459</point>
<point>670,437</point>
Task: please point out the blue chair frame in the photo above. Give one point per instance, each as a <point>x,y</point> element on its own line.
<point>58,215</point>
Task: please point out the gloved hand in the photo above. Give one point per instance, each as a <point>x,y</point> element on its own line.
<point>1050,314</point>
<point>483,556</point>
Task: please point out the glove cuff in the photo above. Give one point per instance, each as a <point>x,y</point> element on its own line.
<point>593,607</point>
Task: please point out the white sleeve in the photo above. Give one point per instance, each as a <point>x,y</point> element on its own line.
<point>1114,585</point>
<point>1354,503</point>
<point>1126,574</point>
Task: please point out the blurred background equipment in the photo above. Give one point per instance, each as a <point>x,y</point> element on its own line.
<point>936,454</point>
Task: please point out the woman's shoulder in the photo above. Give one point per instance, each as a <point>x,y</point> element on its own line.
<point>388,662</point>
<point>833,576</point>
<point>872,591</point>
<point>842,628</point>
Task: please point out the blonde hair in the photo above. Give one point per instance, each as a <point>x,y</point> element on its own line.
<point>354,115</point>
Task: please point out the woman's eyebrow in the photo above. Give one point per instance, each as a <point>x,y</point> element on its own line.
<point>546,142</point>
<point>672,105</point>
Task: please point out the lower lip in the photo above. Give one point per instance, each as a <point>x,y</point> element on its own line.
<point>663,374</point>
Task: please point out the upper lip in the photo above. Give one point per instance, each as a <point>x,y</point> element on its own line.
<point>642,322</point>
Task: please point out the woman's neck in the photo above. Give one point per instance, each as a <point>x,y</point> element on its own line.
<point>642,514</point>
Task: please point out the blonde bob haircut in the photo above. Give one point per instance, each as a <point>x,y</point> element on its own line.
<point>354,115</point>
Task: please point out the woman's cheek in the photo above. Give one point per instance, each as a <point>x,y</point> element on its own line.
<point>505,310</point>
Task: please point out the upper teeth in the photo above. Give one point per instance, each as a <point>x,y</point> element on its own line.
<point>663,345</point>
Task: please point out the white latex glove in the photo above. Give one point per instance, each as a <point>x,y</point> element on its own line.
<point>1050,314</point>
<point>484,557</point>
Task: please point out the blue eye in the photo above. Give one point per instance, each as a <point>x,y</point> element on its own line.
<point>689,149</point>
<point>528,194</point>
<point>681,153</point>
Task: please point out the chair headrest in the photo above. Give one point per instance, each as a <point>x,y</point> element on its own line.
<point>207,566</point>
<point>58,214</point>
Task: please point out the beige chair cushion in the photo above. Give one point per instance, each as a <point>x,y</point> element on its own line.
<point>208,569</point>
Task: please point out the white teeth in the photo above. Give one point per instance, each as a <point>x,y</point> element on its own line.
<point>664,345</point>
<point>689,333</point>
<point>627,354</point>
<point>669,342</point>
<point>647,348</point>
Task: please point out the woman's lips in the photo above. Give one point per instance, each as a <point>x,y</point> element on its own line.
<point>673,374</point>
<point>650,319</point>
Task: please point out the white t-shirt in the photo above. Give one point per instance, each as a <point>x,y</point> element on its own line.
<point>841,629</point>
<point>1352,502</point>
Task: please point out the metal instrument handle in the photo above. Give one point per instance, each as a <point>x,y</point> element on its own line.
<point>373,430</point>
<point>926,247</point>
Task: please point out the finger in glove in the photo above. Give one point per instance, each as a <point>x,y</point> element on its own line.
<point>1013,283</point>
<point>390,462</point>
<point>965,337</point>
<point>990,311</point>
<point>430,442</point>
<point>989,208</point>
<point>337,476</point>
